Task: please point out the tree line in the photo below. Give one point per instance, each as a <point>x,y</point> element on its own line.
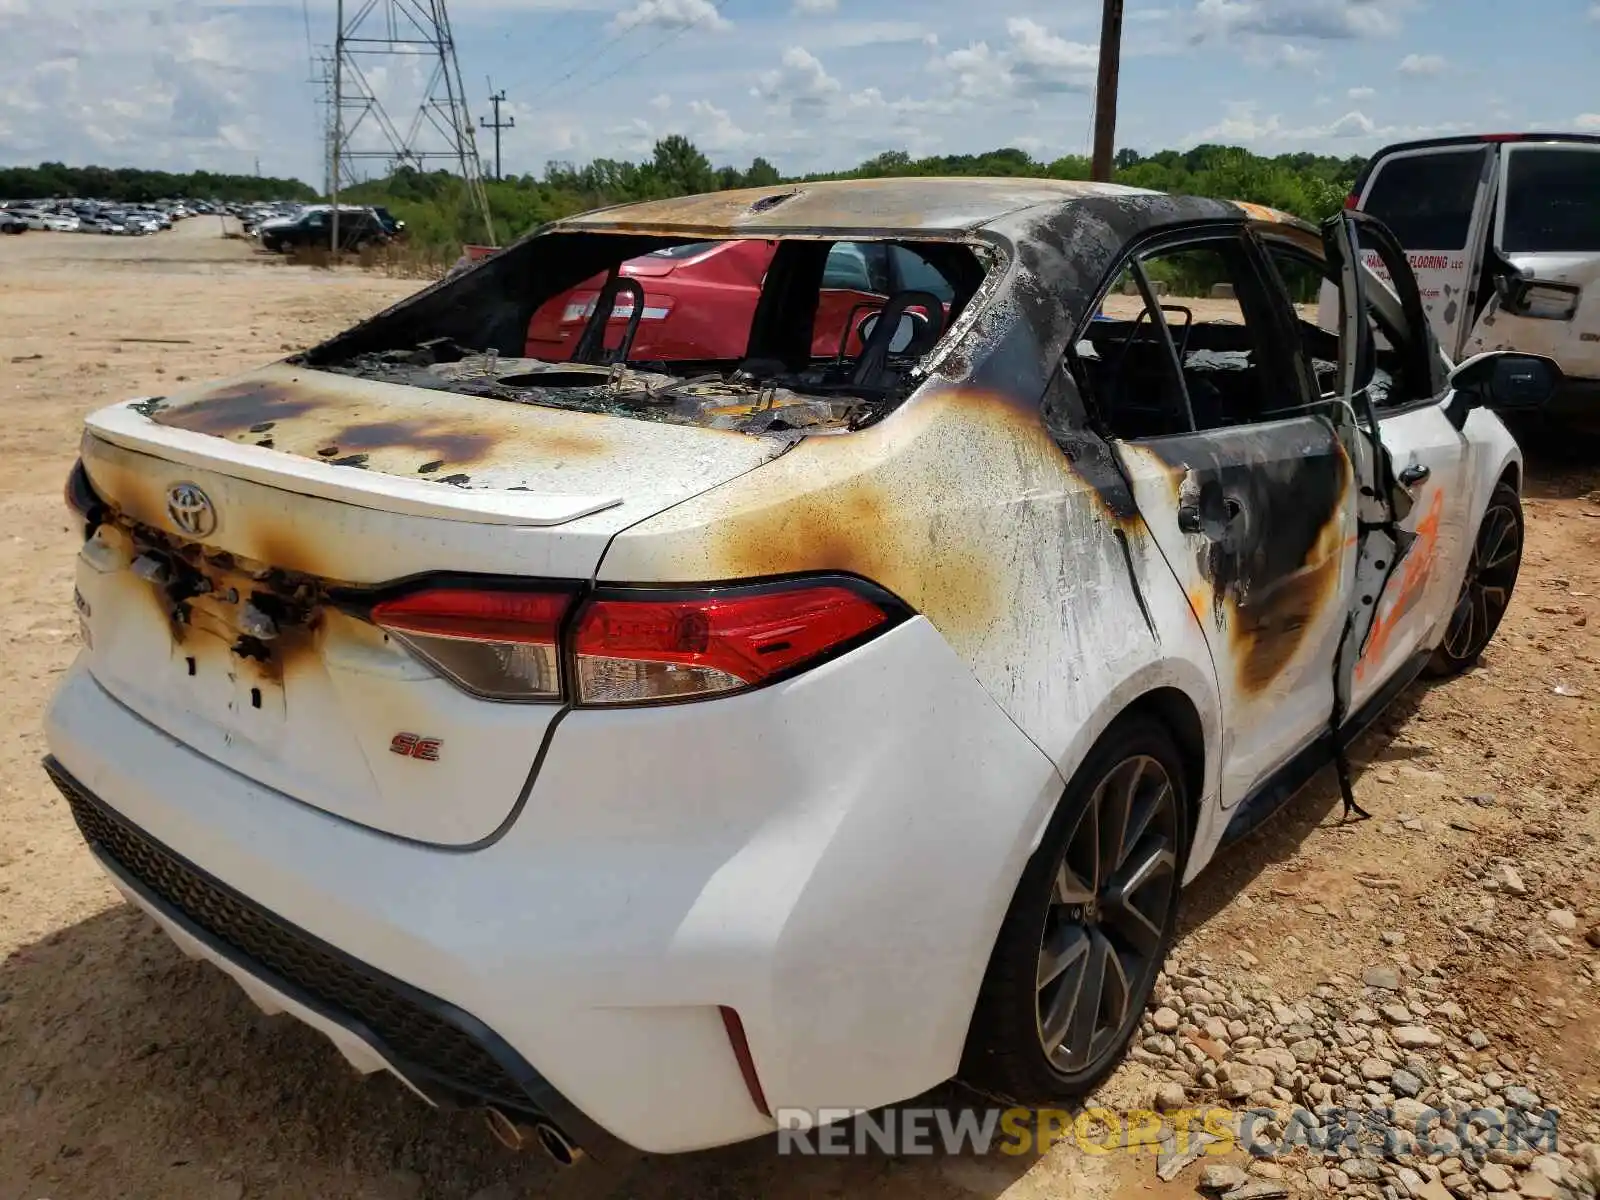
<point>438,213</point>
<point>435,207</point>
<point>134,185</point>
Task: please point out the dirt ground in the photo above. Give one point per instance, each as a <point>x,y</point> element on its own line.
<point>128,1071</point>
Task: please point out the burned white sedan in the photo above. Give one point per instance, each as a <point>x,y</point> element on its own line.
<point>641,747</point>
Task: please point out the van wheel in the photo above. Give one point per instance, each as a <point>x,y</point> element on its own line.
<point>1486,590</point>
<point>1089,927</point>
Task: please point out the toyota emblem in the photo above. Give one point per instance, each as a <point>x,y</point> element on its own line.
<point>191,510</point>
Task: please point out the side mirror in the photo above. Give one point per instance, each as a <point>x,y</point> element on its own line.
<point>1504,381</point>
<point>912,326</point>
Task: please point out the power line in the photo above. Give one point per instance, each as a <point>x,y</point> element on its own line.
<point>672,36</point>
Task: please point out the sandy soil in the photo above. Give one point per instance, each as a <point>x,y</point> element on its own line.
<point>128,1071</point>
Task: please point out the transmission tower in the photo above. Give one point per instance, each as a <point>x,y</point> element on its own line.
<point>411,40</point>
<point>322,80</point>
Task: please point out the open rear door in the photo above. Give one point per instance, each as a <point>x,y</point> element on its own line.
<point>1381,503</point>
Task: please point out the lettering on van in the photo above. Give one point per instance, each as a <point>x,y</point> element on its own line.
<point>1419,262</point>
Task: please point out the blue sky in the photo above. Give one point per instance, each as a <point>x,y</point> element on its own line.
<point>809,84</point>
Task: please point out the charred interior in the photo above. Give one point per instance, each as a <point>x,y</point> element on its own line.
<point>750,334</point>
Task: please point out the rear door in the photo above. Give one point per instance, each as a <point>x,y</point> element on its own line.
<point>1430,459</point>
<point>1436,200</point>
<point>1243,481</point>
<point>1547,226</point>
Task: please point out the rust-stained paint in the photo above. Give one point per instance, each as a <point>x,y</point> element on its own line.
<point>1269,216</point>
<point>886,504</point>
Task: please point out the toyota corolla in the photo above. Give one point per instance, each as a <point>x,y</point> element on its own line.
<point>637,745</point>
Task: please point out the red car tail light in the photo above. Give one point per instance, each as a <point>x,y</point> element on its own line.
<point>644,647</point>
<point>498,644</point>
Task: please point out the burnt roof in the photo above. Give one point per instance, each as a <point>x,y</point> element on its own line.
<point>916,204</point>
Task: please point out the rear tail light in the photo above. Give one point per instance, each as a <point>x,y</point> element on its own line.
<point>633,646</point>
<point>497,644</point>
<point>640,648</point>
<point>1352,201</point>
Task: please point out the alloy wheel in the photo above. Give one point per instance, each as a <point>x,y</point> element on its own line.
<point>1107,916</point>
<point>1486,590</point>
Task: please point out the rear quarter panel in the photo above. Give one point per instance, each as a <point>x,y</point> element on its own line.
<point>963,505</point>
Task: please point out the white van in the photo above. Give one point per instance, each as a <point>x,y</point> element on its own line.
<point>1503,233</point>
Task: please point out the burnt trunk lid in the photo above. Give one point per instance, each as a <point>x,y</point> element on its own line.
<point>208,530</point>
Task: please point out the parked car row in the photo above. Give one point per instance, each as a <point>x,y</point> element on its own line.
<point>95,216</point>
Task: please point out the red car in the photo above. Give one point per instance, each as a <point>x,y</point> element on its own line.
<point>700,298</point>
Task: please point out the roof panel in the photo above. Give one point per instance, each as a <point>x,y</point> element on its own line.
<point>914,204</point>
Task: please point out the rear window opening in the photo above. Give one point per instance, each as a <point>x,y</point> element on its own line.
<point>751,334</point>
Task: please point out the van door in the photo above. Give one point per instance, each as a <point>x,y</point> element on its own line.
<point>1547,227</point>
<point>1437,202</point>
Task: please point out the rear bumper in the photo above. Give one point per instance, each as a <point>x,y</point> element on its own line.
<point>829,857</point>
<point>446,1055</point>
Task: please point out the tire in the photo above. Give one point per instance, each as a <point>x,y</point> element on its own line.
<point>1486,589</point>
<point>1013,1049</point>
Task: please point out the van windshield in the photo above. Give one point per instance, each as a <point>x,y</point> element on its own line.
<point>1552,200</point>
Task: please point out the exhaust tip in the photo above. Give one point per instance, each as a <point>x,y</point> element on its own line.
<point>517,1136</point>
<point>557,1144</point>
<point>506,1131</point>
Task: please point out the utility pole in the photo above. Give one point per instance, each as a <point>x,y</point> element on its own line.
<point>497,125</point>
<point>1105,92</point>
<point>440,129</point>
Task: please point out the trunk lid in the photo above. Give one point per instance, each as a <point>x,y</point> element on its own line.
<point>274,493</point>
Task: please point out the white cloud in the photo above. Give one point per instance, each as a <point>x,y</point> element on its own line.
<point>815,7</point>
<point>1362,93</point>
<point>1295,57</point>
<point>670,14</point>
<point>1244,125</point>
<point>714,128</point>
<point>144,86</point>
<point>1047,62</point>
<point>1594,12</point>
<point>1352,124</point>
<point>1587,122</point>
<point>801,85</point>
<point>1422,65</point>
<point>847,35</point>
<point>1035,62</point>
<point>661,102</point>
<point>1319,19</point>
